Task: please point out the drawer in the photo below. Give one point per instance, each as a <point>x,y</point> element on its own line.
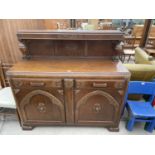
<point>118,84</point>
<point>32,83</point>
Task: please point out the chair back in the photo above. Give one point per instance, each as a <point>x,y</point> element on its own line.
<point>130,42</point>
<point>141,87</point>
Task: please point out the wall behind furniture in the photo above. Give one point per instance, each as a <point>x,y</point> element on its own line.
<point>9,49</point>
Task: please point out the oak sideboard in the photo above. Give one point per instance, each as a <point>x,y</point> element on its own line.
<point>69,77</point>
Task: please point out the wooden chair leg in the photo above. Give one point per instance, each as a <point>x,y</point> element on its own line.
<point>130,124</point>
<point>150,126</point>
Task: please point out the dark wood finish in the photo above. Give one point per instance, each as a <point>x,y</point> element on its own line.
<point>70,35</point>
<point>99,101</point>
<point>69,100</point>
<point>69,78</point>
<point>40,101</point>
<point>64,67</point>
<point>73,43</point>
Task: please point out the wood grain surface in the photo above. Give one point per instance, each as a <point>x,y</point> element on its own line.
<point>69,67</point>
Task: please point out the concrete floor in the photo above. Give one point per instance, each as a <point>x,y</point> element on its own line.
<point>10,126</point>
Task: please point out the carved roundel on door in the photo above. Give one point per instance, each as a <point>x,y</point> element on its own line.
<point>97,107</point>
<point>41,107</point>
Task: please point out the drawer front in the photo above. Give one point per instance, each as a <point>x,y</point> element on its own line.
<point>34,83</point>
<point>118,84</point>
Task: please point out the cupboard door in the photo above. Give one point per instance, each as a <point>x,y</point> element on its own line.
<point>40,101</point>
<point>98,102</point>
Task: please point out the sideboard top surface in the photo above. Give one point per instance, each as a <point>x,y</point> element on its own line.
<point>71,34</point>
<point>69,68</point>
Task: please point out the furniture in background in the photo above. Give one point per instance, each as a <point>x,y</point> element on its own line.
<point>150,52</point>
<point>7,101</point>
<point>69,78</point>
<point>128,48</point>
<point>5,67</point>
<point>2,78</point>
<point>141,111</point>
<point>144,67</point>
<point>106,26</point>
<point>138,32</point>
